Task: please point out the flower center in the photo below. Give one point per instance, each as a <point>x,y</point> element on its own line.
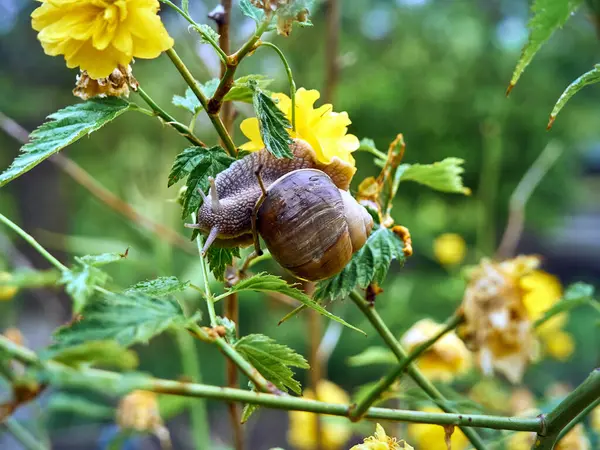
<point>116,11</point>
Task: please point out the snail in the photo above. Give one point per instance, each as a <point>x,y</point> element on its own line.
<point>300,207</point>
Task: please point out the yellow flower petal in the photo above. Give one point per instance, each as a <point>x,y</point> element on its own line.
<point>559,345</point>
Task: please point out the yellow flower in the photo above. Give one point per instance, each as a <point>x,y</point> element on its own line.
<point>335,431</point>
<point>433,437</point>
<point>449,249</point>
<point>574,440</point>
<point>444,359</point>
<point>381,441</point>
<point>7,291</point>
<point>497,325</point>
<point>139,411</point>
<point>596,419</point>
<point>325,130</point>
<point>98,35</point>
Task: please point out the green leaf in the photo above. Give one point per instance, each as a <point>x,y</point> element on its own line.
<point>591,77</point>
<point>369,265</point>
<point>190,102</point>
<point>548,16</point>
<point>65,127</point>
<point>207,34</point>
<point>200,164</point>
<point>248,411</point>
<point>272,123</point>
<point>249,10</point>
<point>79,406</point>
<point>127,318</point>
<point>241,90</point>
<point>219,258</point>
<point>95,353</point>
<point>272,360</point>
<point>445,175</point>
<point>579,290</point>
<point>102,259</point>
<point>373,355</point>
<point>158,287</point>
<point>80,282</point>
<point>264,282</point>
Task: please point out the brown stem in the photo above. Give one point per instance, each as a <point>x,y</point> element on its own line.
<point>332,50</point>
<point>94,187</point>
<point>223,28</point>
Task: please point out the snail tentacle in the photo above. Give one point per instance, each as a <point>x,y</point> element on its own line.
<point>214,232</point>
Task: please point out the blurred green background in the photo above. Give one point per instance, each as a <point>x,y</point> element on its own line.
<point>433,70</point>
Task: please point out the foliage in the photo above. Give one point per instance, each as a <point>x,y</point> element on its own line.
<point>591,77</point>
<point>442,176</point>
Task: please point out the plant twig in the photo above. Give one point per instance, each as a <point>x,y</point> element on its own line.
<point>214,117</point>
<point>560,417</point>
<point>432,392</point>
<point>98,379</point>
<point>521,195</point>
<point>375,393</point>
<point>208,296</point>
<point>22,435</point>
<point>332,63</point>
<point>578,419</point>
<point>93,186</point>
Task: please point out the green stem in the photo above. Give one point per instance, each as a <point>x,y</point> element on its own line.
<point>412,370</point>
<point>375,393</point>
<point>288,70</point>
<point>578,419</point>
<point>35,244</point>
<point>205,36</point>
<point>99,379</point>
<point>170,120</point>
<point>22,435</point>
<point>191,369</point>
<point>560,307</point>
<point>214,118</point>
<point>567,411</point>
<point>210,300</point>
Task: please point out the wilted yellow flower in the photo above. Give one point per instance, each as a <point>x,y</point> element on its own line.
<point>445,359</point>
<point>98,35</point>
<point>574,440</point>
<point>497,325</point>
<point>541,292</point>
<point>7,291</point>
<point>139,411</point>
<point>117,84</point>
<point>381,441</point>
<point>449,249</point>
<point>433,437</point>
<point>335,431</point>
<point>325,130</point>
<point>14,335</point>
<point>490,393</point>
<point>522,402</point>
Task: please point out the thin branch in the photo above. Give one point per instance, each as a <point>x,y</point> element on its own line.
<point>97,379</point>
<point>521,195</point>
<point>332,39</point>
<point>578,419</point>
<point>375,393</point>
<point>93,186</point>
<point>568,410</point>
<point>22,435</point>
<point>432,392</point>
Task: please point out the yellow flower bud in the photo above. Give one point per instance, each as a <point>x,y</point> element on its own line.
<point>449,249</point>
<point>7,291</point>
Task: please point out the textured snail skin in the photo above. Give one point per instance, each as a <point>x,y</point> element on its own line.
<point>238,190</point>
<point>310,226</point>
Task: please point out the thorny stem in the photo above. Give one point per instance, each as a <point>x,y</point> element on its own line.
<point>561,417</point>
<point>191,369</point>
<point>214,117</point>
<point>22,435</point>
<point>412,371</point>
<point>290,77</point>
<point>170,120</point>
<point>98,379</point>
<point>375,393</point>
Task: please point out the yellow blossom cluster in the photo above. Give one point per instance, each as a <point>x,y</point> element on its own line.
<point>381,441</point>
<point>433,437</point>
<point>445,359</point>
<point>573,440</point>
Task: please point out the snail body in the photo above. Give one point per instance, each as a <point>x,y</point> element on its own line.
<point>307,219</point>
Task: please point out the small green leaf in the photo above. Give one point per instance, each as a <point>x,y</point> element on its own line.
<point>207,34</point>
<point>102,259</point>
<point>272,360</point>
<point>219,258</point>
<point>241,90</point>
<point>249,10</point>
<point>199,164</point>
<point>95,353</point>
<point>579,290</point>
<point>548,16</point>
<point>369,265</point>
<point>190,102</point>
<point>373,355</point>
<point>264,282</point>
<point>272,123</point>
<point>445,175</point>
<point>65,127</point>
<point>158,287</point>
<point>230,330</point>
<point>80,282</point>
<point>79,406</point>
<point>248,411</point>
<point>591,77</point>
<point>127,318</point>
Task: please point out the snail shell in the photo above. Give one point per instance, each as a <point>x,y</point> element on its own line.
<point>311,227</point>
